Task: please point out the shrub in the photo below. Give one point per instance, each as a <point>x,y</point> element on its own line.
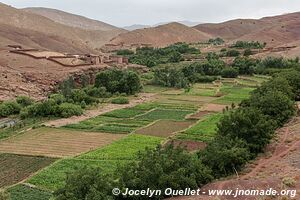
<point>58,98</point>
<point>229,73</point>
<point>124,52</point>
<point>248,52</point>
<point>120,100</point>
<point>9,108</point>
<point>68,110</point>
<point>233,53</point>
<point>293,78</point>
<point>24,101</point>
<point>225,155</point>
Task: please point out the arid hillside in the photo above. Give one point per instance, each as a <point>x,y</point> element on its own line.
<point>161,36</point>
<point>72,19</point>
<point>41,31</point>
<point>276,30</point>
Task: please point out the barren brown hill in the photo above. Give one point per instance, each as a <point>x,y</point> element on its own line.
<point>161,35</point>
<point>274,30</point>
<point>41,31</point>
<point>284,29</point>
<point>72,19</point>
<point>232,29</point>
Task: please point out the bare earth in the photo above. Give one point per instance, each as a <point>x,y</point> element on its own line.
<point>143,97</point>
<point>56,143</point>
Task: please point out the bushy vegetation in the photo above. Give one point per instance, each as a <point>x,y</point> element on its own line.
<point>151,57</point>
<point>125,52</point>
<point>249,45</point>
<point>174,168</point>
<point>229,73</point>
<point>216,41</point>
<point>120,81</point>
<point>120,100</point>
<point>232,53</point>
<point>9,108</point>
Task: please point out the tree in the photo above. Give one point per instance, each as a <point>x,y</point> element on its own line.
<point>229,73</point>
<point>275,104</point>
<point>165,167</point>
<point>225,155</point>
<point>250,125</point>
<point>119,81</point>
<point>86,183</point>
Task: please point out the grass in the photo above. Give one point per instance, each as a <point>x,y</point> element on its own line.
<point>204,130</point>
<point>165,114</point>
<point>15,168</point>
<point>23,192</point>
<point>124,149</point>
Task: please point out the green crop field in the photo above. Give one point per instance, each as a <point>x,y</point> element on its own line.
<point>124,149</point>
<point>204,130</point>
<point>54,176</point>
<point>165,114</point>
<point>233,94</point>
<point>106,159</point>
<point>23,192</point>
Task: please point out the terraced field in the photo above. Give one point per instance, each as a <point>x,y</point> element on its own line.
<point>15,168</point>
<point>54,142</point>
<point>106,159</point>
<point>165,128</point>
<point>113,139</point>
<point>24,192</point>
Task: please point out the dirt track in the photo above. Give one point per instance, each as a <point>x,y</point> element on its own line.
<point>143,97</point>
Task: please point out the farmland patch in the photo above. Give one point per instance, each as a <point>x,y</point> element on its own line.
<point>54,142</point>
<point>204,130</point>
<point>165,114</point>
<point>165,128</point>
<point>15,168</point>
<point>24,192</point>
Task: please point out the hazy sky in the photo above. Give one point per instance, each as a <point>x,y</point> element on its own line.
<point>128,12</point>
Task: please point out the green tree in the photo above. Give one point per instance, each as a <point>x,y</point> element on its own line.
<point>250,125</point>
<point>225,155</point>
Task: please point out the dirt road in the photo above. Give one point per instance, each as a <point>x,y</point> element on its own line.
<point>143,97</point>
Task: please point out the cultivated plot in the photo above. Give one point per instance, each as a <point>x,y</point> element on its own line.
<point>15,168</point>
<point>165,128</point>
<point>24,192</point>
<point>54,142</point>
<point>106,159</point>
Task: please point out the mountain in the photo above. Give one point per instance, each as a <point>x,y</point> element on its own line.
<point>161,35</point>
<point>141,26</point>
<point>275,30</point>
<point>135,27</point>
<point>21,27</point>
<point>72,20</point>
